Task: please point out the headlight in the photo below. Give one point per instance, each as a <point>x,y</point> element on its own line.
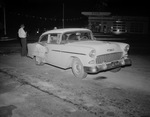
<point>126,48</point>
<point>92,53</point>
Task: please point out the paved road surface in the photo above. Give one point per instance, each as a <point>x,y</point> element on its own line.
<point>28,90</point>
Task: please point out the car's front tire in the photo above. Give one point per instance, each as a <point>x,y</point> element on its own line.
<point>77,68</point>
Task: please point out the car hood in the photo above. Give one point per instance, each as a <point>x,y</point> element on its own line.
<point>93,44</point>
<point>89,43</point>
<point>103,46</point>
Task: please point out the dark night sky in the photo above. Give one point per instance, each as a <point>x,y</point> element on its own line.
<point>75,7</point>
<point>30,11</point>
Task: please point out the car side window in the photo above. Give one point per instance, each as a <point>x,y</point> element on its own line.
<point>44,38</point>
<point>73,37</point>
<point>64,39</point>
<point>54,38</point>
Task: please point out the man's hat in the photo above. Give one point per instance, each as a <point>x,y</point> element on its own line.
<point>22,25</point>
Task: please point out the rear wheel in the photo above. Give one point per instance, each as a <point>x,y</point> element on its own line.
<point>77,69</point>
<point>38,61</point>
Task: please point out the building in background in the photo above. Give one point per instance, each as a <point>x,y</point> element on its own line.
<point>104,22</point>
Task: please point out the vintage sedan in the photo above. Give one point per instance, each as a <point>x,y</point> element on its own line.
<point>78,49</point>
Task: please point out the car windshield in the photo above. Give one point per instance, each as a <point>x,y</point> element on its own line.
<point>76,36</point>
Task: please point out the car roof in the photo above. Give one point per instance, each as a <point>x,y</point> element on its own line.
<point>64,30</point>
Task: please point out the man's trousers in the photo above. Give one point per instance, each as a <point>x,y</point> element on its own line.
<point>23,47</point>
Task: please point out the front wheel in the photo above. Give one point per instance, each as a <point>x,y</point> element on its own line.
<point>77,69</point>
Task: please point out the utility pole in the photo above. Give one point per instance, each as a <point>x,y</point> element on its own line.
<point>4,20</point>
<point>2,5</point>
<point>63,21</point>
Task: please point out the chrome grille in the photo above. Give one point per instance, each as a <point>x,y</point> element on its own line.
<point>108,57</point>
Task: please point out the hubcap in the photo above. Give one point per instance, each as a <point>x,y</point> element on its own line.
<point>78,68</point>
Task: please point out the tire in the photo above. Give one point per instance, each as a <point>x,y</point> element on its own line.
<point>77,69</point>
<point>38,61</point>
<point>116,69</point>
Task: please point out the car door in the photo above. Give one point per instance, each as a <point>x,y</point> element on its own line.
<point>53,56</point>
<point>40,47</point>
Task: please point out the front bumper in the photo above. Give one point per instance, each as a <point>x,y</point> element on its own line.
<point>108,66</point>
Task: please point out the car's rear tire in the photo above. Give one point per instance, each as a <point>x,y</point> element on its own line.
<point>77,69</point>
<point>116,69</point>
<point>38,61</point>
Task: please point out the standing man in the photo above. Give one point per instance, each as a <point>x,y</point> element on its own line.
<point>22,35</point>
